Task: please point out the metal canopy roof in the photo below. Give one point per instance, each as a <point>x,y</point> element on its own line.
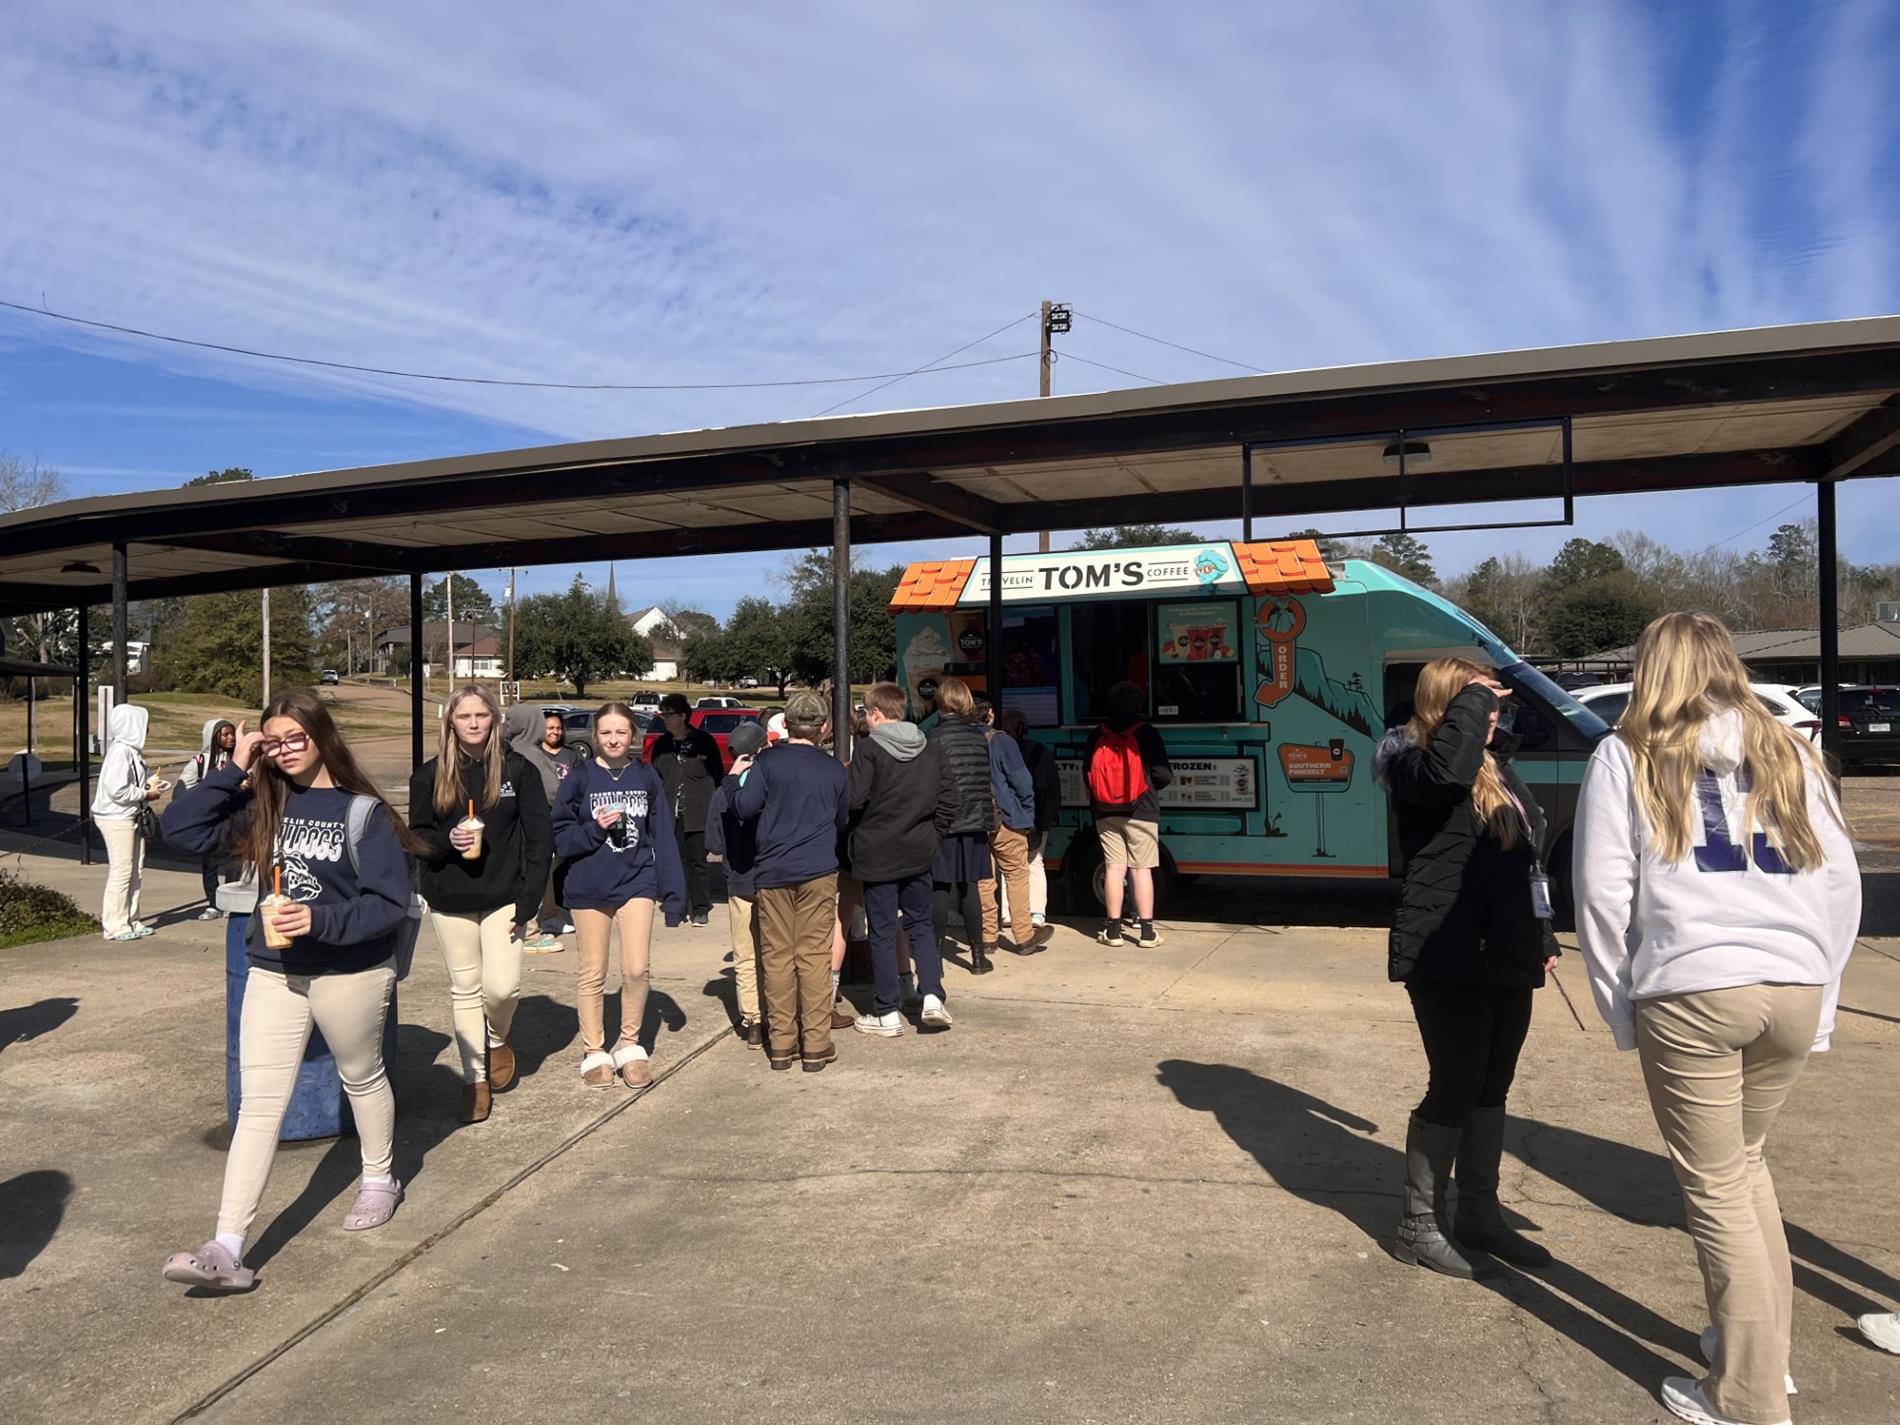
<point>1810,403</point>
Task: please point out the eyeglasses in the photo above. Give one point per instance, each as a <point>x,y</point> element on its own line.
<point>296,742</point>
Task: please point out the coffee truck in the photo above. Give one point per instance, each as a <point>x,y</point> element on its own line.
<point>1270,675</point>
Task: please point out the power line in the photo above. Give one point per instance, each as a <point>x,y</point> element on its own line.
<point>1760,522</point>
<point>936,365</point>
<point>498,381</point>
<point>1163,341</point>
<point>1071,356</point>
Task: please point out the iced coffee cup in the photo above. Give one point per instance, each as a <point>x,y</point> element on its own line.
<point>274,939</point>
<point>472,824</point>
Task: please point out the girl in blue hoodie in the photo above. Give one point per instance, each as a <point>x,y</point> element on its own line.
<point>612,826</point>
<point>296,810</point>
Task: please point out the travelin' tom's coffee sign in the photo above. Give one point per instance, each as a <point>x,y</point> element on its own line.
<point>1111,574</point>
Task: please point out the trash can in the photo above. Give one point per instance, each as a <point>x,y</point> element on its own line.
<point>318,1106</point>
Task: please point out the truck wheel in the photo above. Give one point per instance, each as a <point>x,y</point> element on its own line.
<point>1084,876</point>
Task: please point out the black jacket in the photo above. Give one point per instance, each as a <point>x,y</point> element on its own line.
<point>1465,913</point>
<point>894,804</point>
<point>689,770</point>
<point>1154,761</point>
<point>968,806</point>
<point>1042,771</point>
<point>517,841</point>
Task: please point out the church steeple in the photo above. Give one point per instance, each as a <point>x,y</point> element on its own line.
<point>613,596</point>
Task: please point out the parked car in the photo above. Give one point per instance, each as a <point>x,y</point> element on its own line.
<point>748,681</point>
<point>1869,719</point>
<point>579,723</point>
<point>1571,682</point>
<point>329,678</point>
<point>714,701</point>
<point>720,722</point>
<point>1609,700</point>
<point>646,699</point>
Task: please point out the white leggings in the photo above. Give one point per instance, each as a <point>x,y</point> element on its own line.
<point>484,961</point>
<point>273,1032</point>
<point>125,866</point>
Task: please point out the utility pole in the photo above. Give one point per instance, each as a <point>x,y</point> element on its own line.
<point>448,583</point>
<point>266,647</point>
<point>511,628</point>
<point>1056,320</point>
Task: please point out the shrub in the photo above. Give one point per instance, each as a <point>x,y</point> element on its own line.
<point>30,913</point>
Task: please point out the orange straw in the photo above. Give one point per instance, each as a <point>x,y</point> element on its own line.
<point>277,879</point>
<point>471,808</point>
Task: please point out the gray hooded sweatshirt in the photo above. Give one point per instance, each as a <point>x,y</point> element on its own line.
<point>524,725</point>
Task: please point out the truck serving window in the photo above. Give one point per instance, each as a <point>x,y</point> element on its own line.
<point>1111,645</point>
<point>1197,662</point>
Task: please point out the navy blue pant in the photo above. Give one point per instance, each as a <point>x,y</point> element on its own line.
<point>882,901</point>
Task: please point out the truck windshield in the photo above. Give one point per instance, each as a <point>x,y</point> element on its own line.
<point>1535,685</point>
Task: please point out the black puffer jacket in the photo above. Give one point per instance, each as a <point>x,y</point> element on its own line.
<point>1465,913</point>
<point>969,807</point>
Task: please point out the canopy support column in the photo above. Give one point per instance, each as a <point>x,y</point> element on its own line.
<point>415,671</point>
<point>120,631</point>
<point>841,619</point>
<point>993,645</point>
<point>82,733</point>
<point>1246,494</point>
<point>1830,621</point>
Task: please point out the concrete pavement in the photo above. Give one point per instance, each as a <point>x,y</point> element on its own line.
<point>1144,1186</point>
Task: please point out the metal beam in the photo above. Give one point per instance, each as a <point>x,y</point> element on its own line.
<point>1829,552</point>
<point>121,632</point>
<point>1865,441</point>
<point>415,671</point>
<point>993,639</point>
<point>82,719</point>
<point>369,557</point>
<point>841,620</point>
<point>940,497</point>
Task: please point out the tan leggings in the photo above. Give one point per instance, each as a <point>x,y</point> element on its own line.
<point>273,1031</point>
<point>591,927</point>
<point>125,866</point>
<point>484,961</point>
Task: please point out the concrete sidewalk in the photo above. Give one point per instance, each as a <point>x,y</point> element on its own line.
<point>1144,1186</point>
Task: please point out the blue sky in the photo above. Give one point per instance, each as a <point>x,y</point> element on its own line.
<point>749,191</point>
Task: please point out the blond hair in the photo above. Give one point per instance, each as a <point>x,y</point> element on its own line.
<point>954,698</point>
<point>1687,671</point>
<point>449,755</point>
<point>1439,682</point>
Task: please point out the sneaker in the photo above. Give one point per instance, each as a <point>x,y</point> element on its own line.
<point>1149,939</point>
<point>542,944</point>
<point>1037,919</point>
<point>934,1015</point>
<point>211,912</point>
<point>1110,935</point>
<point>885,1026</point>
<point>1683,1398</point>
<point>700,918</point>
<point>126,935</point>
<point>141,930</point>
<point>1708,1354</point>
<point>1882,1329</point>
<point>565,928</point>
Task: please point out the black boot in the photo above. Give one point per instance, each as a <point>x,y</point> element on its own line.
<point>980,958</point>
<point>1480,1221</point>
<point>1429,1151</point>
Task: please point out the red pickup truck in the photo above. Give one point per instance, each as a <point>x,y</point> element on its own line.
<point>718,721</point>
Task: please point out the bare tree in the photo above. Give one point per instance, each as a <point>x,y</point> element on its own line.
<point>23,484</point>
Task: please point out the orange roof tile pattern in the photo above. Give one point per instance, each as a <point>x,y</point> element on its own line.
<point>1283,566</point>
<point>934,584</point>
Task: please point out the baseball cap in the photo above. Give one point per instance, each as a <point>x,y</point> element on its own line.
<point>775,728</point>
<point>745,739</point>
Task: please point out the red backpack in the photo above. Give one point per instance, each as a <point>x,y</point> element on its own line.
<point>1117,775</point>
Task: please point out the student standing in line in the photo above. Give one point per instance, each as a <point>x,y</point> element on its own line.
<point>480,808</point>
<point>541,739</point>
<point>296,809</point>
<point>734,841</point>
<point>1718,903</point>
<point>1470,943</point>
<point>1015,794</point>
<point>613,826</point>
<point>125,790</point>
<point>220,737</point>
<point>895,783</point>
<point>688,761</point>
<point>1048,790</point>
<point>964,819</point>
<point>1126,765</point>
<point>796,794</point>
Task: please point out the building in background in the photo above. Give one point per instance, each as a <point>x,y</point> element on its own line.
<point>656,624</point>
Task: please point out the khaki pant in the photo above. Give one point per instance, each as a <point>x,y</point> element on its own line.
<point>125,867</point>
<point>1010,850</point>
<point>273,1032</point>
<point>795,928</point>
<point>1719,1064</point>
<point>592,929</point>
<point>484,961</point>
<point>744,926</point>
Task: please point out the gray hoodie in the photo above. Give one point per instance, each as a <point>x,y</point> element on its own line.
<point>903,740</point>
<point>123,774</point>
<point>523,725</point>
<point>209,758</point>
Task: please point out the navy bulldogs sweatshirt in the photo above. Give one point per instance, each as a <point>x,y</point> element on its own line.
<point>642,857</point>
<point>353,915</point>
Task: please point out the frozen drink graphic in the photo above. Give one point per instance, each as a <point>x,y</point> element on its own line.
<point>924,660</point>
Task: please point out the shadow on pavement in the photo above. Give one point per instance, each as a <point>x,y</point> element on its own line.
<point>30,1021</point>
<point>32,1205</point>
<point>1324,1155</point>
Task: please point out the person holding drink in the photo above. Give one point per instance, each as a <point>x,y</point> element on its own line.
<point>614,827</point>
<point>296,811</point>
<point>481,808</point>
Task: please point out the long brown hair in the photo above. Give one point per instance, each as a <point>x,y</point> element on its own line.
<point>1439,682</point>
<point>1687,671</point>
<point>954,699</point>
<point>450,756</point>
<point>270,788</point>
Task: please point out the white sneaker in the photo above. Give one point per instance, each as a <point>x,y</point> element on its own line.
<point>1036,918</point>
<point>885,1026</point>
<point>210,912</point>
<point>934,1015</point>
<point>1708,1354</point>
<point>1683,1398</point>
<point>1882,1329</point>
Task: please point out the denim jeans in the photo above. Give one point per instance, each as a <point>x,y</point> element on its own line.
<point>882,901</point>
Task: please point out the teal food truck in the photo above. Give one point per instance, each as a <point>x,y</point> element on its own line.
<point>1270,675</point>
